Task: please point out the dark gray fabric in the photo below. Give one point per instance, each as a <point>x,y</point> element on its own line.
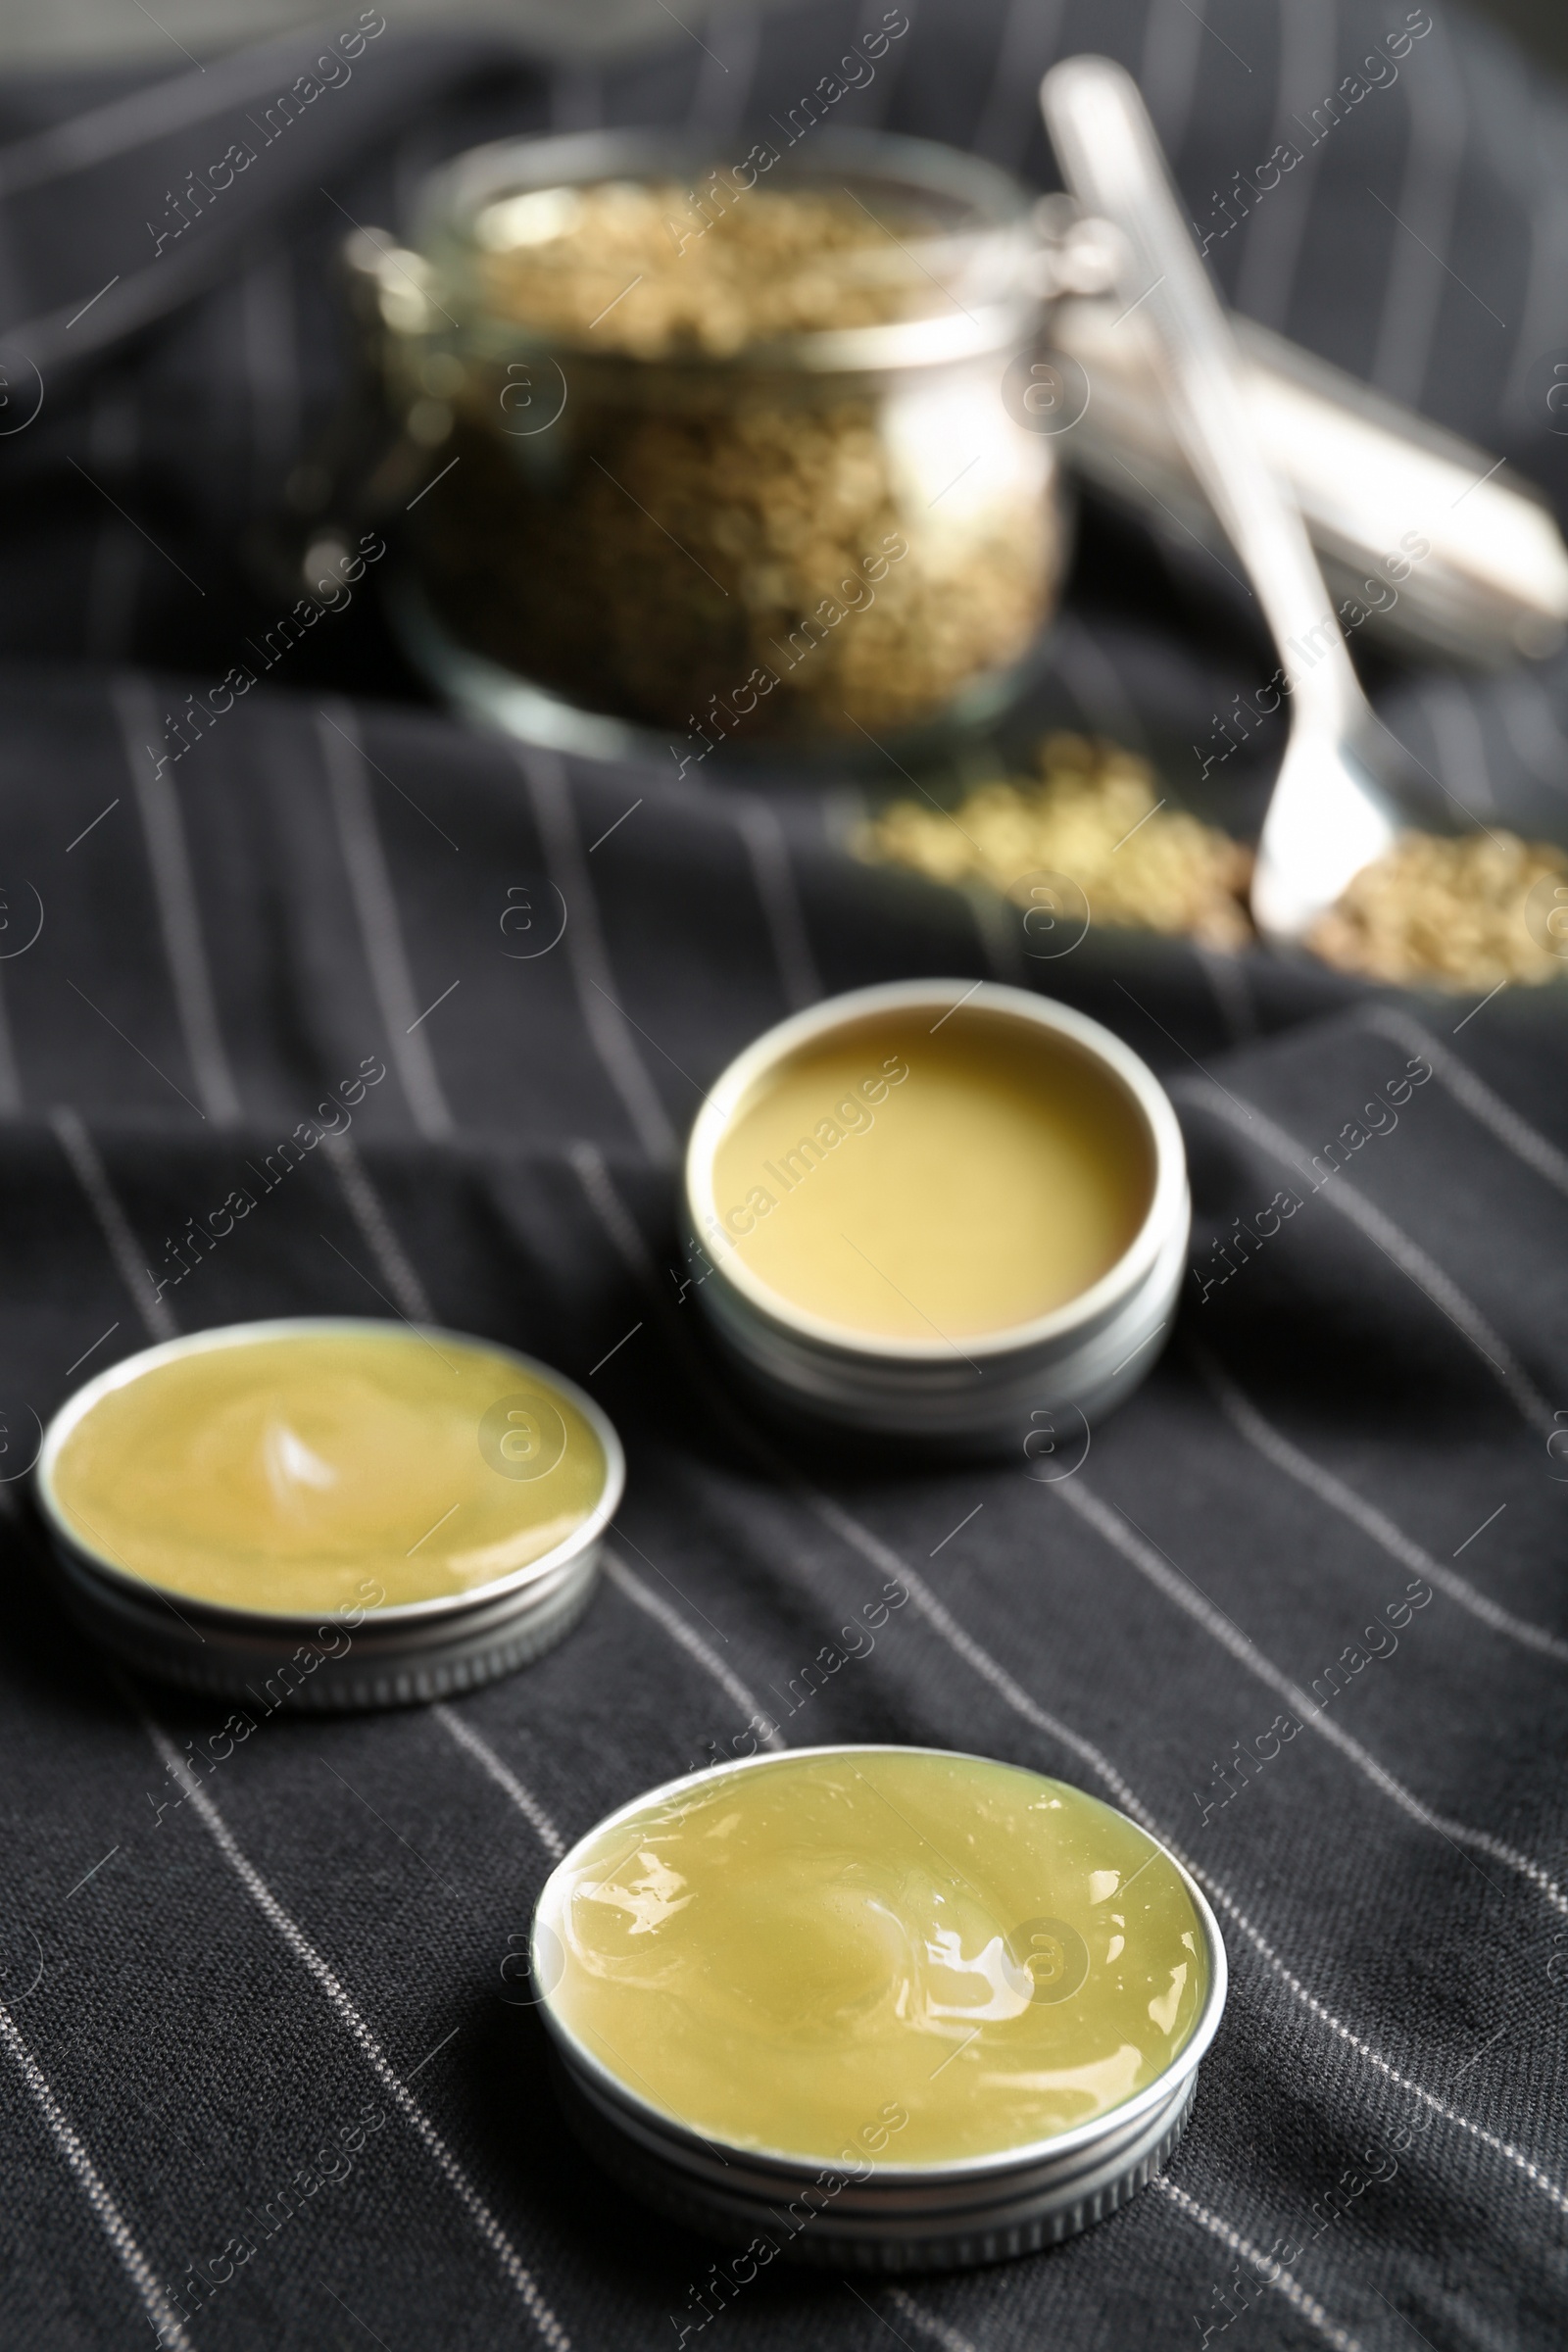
<point>202,1992</point>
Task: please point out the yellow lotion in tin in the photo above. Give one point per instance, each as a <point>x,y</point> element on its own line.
<point>282,1472</point>
<point>916,1176</point>
<point>914,1957</point>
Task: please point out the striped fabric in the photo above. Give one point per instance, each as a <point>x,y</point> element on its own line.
<point>266,2086</point>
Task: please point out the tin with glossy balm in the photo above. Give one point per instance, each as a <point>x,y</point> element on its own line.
<point>877,2007</point>
<point>950,1214</point>
<point>328,1513</point>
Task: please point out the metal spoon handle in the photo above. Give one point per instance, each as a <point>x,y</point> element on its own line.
<point>1112,159</point>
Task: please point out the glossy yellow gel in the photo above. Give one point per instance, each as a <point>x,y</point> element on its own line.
<point>290,1473</point>
<point>794,1955</point>
<point>920,1177</point>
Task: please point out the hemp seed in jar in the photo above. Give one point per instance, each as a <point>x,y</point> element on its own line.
<point>722,453</point>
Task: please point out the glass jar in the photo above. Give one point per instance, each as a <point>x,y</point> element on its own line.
<point>717,455</point>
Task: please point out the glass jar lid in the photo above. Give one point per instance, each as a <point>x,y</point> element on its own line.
<point>856,251</point>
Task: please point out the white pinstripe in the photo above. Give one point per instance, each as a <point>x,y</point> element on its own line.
<point>1177,1589</point>
<point>381,930</point>
<point>588,957</point>
<point>929,2325</point>
<point>113,1223</point>
<point>93,137</point>
<point>1167,71</point>
<point>998,929</point>
<point>1095,684</point>
<point>1291,2289</point>
<point>1458,742</point>
<point>114,434</point>
<point>1227,982</point>
<point>1537,2178</point>
<point>1273,237</point>
<point>1509,130</point>
<point>1278,1449</point>
<point>889,64</point>
<point>484,1755</point>
<point>180,916</point>
<point>1533,731</point>
<point>588,1166</point>
<point>111,604</point>
<point>881,1555</point>
<point>1397,1246</point>
<point>719,98</point>
<point>513,2267</point>
<point>676,1626</point>
<point>10,1098</point>
<point>12,297</point>
<point>365,1207</point>
<point>1437,111</point>
<point>603,1198</point>
<point>1525,1141</point>
<point>110,2219</point>
<point>1276,104</point>
<point>768,851</point>
<point>1031,38</point>
<point>272,365</point>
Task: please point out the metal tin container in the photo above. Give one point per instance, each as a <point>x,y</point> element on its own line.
<point>375,1657</point>
<point>889,2217</point>
<point>1038,1381</point>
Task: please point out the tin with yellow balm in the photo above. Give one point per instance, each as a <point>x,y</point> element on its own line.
<point>886,2007</point>
<point>360,1512</point>
<point>947,1211</point>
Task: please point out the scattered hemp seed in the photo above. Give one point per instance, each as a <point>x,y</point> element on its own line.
<point>1094,815</point>
<point>1432,913</point>
<point>1436,914</point>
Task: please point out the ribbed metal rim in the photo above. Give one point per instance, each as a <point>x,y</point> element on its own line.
<point>744,1077</point>
<point>994,2167</point>
<point>1019,2217</point>
<point>1089,1373</point>
<point>1003,208</point>
<point>277,1621</point>
<point>428,1662</point>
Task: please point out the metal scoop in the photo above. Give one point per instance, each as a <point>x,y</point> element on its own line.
<point>1333,808</point>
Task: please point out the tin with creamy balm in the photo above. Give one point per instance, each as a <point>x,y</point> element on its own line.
<point>337,1513</point>
<point>877,2008</point>
<point>942,1212</point>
